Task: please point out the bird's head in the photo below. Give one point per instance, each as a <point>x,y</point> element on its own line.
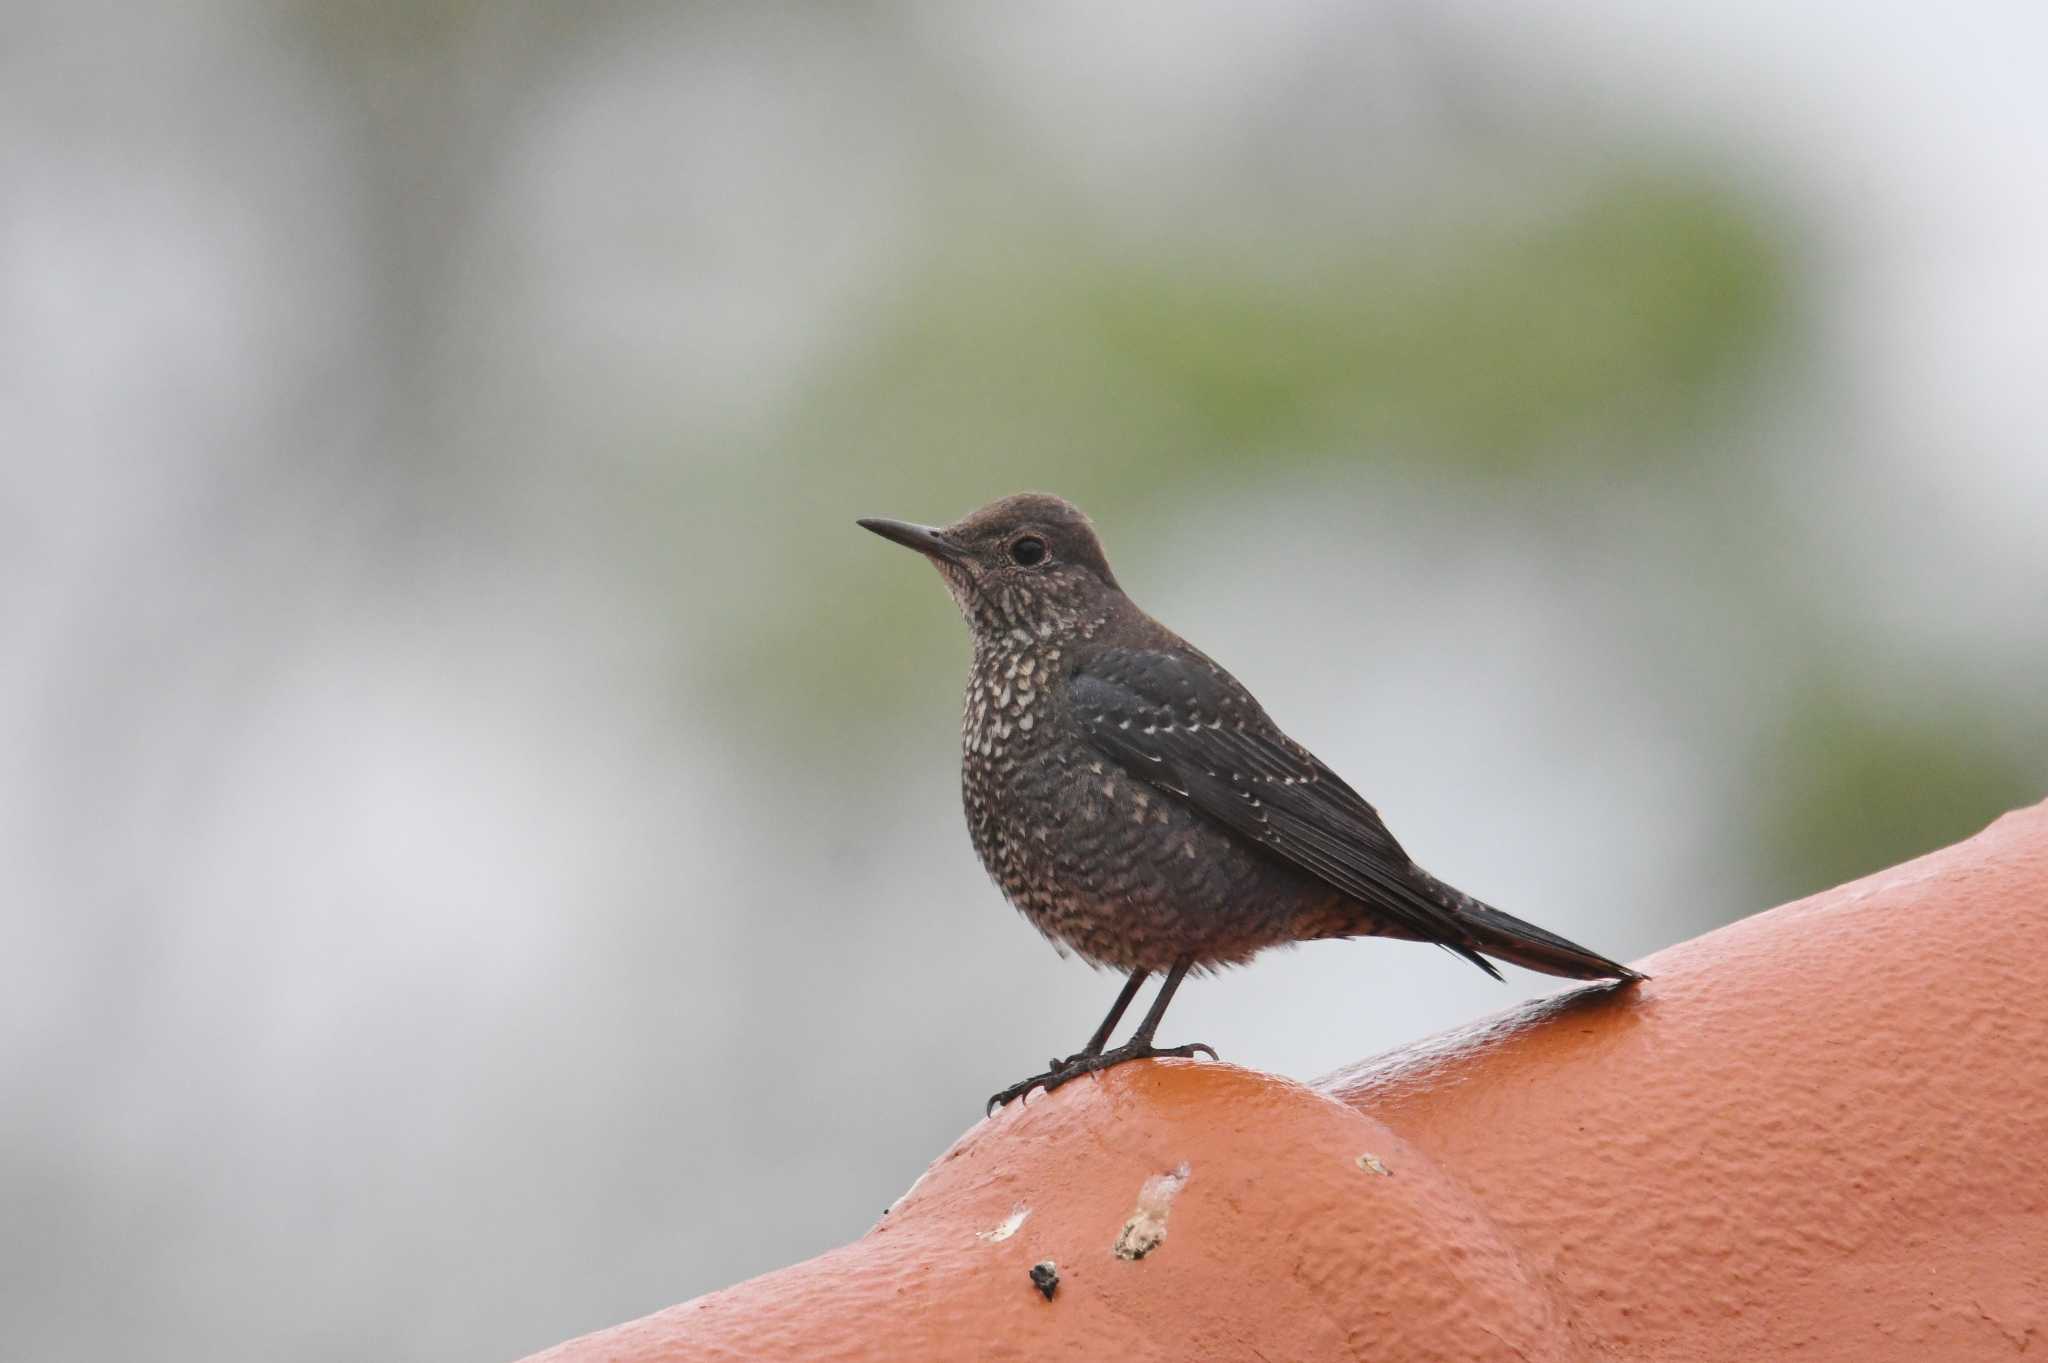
<point>1029,562</point>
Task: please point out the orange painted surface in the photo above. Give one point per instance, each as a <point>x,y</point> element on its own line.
<point>1820,1133</point>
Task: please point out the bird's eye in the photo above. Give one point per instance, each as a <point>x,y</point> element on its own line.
<point>1028,552</point>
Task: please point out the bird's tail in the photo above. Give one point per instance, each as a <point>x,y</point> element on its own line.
<point>1507,938</point>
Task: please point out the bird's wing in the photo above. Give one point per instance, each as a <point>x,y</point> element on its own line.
<point>1183,725</point>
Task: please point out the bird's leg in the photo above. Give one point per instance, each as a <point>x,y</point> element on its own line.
<point>1140,1043</point>
<point>1116,1015</point>
<point>1139,1047</point>
<point>1094,1047</point>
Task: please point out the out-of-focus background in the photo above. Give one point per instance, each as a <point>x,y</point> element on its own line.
<point>479,844</point>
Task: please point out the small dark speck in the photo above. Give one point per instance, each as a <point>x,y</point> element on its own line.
<point>1045,1276</point>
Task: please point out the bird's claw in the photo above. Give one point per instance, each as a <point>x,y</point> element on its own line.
<point>1074,1066</point>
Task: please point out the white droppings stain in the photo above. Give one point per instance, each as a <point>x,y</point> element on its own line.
<point>1371,1164</point>
<point>1007,1227</point>
<point>1147,1226</point>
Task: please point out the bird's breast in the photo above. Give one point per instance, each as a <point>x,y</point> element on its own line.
<point>1010,754</point>
<point>1007,697</point>
<point>1096,859</point>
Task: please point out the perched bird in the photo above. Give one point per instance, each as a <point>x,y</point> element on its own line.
<point>1136,804</point>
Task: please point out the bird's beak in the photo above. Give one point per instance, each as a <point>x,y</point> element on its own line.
<point>926,539</point>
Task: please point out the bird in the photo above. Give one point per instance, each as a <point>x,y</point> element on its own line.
<point>1139,807</point>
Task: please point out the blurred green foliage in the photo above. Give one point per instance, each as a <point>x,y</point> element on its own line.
<point>1488,350</point>
<point>1852,782</point>
<point>1528,348</point>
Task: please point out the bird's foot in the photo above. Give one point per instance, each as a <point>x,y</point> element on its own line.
<point>1074,1066</point>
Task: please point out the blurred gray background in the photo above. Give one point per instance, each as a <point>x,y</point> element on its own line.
<point>479,844</point>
